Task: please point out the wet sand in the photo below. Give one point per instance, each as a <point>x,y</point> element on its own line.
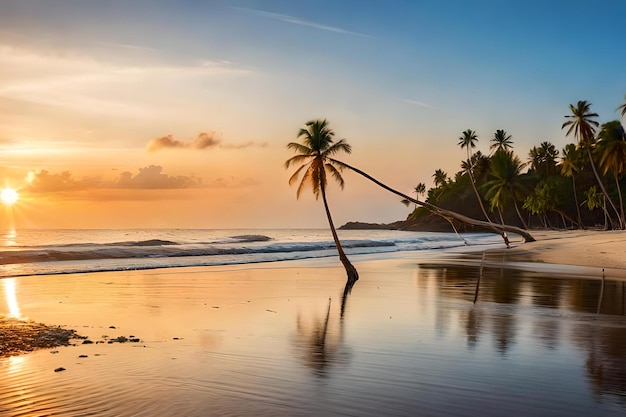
<point>287,339</point>
<point>606,249</point>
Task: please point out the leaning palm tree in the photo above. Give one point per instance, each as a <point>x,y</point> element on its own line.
<point>468,140</point>
<point>583,126</point>
<point>501,141</point>
<point>315,153</point>
<point>447,214</point>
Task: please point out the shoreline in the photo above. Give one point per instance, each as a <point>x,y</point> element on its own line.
<point>588,254</point>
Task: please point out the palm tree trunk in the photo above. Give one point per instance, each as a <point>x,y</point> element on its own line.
<point>580,219</point>
<point>606,194</point>
<point>472,180</point>
<point>351,271</point>
<point>517,211</point>
<point>621,202</point>
<point>442,212</point>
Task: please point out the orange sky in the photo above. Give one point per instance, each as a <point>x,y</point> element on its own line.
<point>138,114</point>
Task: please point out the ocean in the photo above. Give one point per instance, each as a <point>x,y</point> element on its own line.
<point>46,252</point>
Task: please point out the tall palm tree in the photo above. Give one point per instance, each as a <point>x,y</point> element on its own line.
<point>622,107</point>
<point>583,126</point>
<point>468,140</point>
<point>570,166</point>
<point>502,141</point>
<point>315,152</point>
<point>612,149</point>
<point>506,182</point>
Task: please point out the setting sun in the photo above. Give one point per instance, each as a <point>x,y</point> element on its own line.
<point>8,196</point>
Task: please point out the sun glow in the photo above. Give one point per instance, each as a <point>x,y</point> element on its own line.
<point>8,196</point>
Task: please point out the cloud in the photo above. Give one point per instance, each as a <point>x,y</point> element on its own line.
<point>152,177</point>
<point>301,22</point>
<point>148,178</point>
<point>45,182</point>
<point>203,141</point>
<point>419,103</point>
<point>82,83</point>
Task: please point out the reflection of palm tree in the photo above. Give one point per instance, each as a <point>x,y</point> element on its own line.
<point>320,344</point>
<point>316,150</point>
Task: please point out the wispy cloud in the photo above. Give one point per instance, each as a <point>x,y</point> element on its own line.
<point>203,141</point>
<point>419,103</point>
<point>126,46</point>
<point>297,21</point>
<point>82,83</point>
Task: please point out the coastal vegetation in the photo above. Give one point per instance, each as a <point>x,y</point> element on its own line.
<point>575,188</point>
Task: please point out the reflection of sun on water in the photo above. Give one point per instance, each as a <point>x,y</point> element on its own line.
<point>9,290</point>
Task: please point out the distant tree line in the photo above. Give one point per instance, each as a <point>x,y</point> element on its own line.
<point>579,186</point>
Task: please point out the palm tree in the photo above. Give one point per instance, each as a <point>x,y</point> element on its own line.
<point>468,140</point>
<point>440,178</point>
<point>543,159</point>
<point>583,126</point>
<point>420,189</point>
<point>501,141</point>
<point>569,168</point>
<point>315,153</point>
<point>612,149</point>
<point>595,199</point>
<point>506,182</point>
<point>622,107</point>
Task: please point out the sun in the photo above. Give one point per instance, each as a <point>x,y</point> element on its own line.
<point>8,196</point>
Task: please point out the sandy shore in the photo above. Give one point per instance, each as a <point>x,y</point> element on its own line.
<point>285,339</point>
<point>601,249</point>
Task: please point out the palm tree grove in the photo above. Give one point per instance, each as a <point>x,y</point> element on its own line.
<point>577,187</point>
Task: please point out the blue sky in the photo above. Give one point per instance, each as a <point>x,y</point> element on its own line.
<point>399,79</point>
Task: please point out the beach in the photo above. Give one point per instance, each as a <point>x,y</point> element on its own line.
<point>287,338</point>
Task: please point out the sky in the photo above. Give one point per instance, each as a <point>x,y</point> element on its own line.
<point>133,114</point>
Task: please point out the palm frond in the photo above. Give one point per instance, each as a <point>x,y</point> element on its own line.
<point>306,180</point>
<point>296,174</point>
<point>300,148</point>
<point>296,160</point>
<point>336,174</point>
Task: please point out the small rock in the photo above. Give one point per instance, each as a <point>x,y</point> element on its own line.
<point>87,342</point>
<point>112,327</point>
<point>59,369</point>
<point>83,356</point>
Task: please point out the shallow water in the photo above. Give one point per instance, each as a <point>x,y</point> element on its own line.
<point>408,340</point>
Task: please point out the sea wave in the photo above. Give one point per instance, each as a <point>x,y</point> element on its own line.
<point>113,251</point>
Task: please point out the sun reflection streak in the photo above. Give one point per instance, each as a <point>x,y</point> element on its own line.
<point>9,290</point>
<point>15,363</point>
